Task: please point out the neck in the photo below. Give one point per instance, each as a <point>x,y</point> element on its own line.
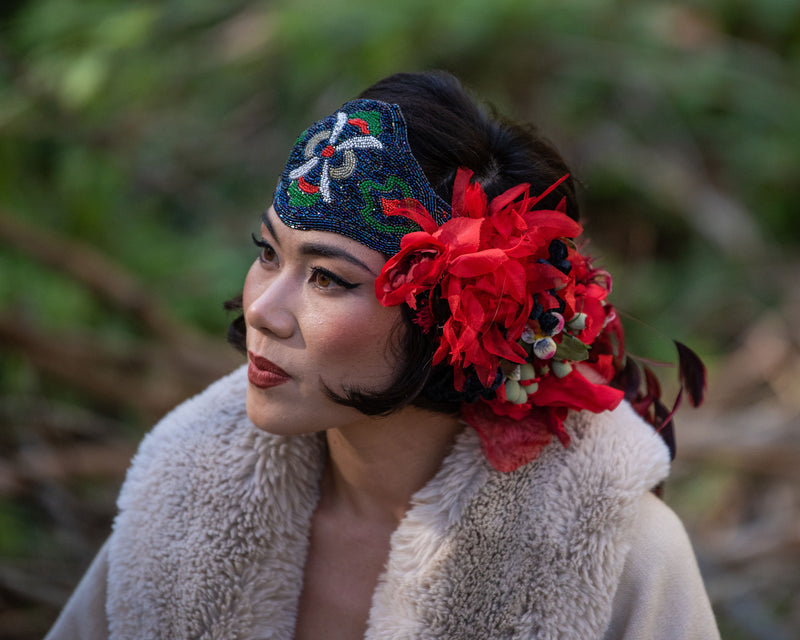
<point>375,466</point>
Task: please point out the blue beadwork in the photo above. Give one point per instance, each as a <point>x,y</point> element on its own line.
<point>342,167</point>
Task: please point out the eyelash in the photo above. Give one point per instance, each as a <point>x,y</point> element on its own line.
<point>264,246</point>
<point>315,271</point>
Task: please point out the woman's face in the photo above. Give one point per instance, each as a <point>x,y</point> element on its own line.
<point>312,320</point>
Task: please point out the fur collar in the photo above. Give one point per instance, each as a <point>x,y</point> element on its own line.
<point>212,533</point>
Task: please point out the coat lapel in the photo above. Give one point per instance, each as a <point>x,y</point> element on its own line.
<point>212,533</point>
<point>536,553</point>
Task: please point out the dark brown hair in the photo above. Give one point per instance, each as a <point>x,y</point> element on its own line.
<point>448,129</point>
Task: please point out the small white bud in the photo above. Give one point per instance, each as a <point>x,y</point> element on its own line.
<point>578,323</point>
<point>532,388</point>
<point>526,371</point>
<point>561,369</point>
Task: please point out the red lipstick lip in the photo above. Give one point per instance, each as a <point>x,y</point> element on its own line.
<point>264,373</point>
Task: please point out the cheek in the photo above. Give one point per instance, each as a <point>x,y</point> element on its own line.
<point>249,289</point>
<point>361,343</point>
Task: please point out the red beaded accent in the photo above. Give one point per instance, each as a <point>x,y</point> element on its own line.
<point>361,124</point>
<point>306,187</point>
<point>327,152</point>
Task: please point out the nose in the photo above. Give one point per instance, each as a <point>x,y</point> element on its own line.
<point>269,306</point>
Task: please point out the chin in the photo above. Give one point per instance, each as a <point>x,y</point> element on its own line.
<point>267,415</point>
<point>279,416</point>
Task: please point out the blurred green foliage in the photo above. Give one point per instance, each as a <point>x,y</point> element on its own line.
<point>154,133</point>
<point>155,130</point>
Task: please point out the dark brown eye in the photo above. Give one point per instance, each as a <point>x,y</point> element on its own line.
<point>322,279</point>
<point>267,253</point>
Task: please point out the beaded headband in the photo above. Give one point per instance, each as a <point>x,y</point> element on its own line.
<point>343,167</point>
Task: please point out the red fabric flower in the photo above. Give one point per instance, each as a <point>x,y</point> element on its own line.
<point>494,266</point>
<point>414,271</point>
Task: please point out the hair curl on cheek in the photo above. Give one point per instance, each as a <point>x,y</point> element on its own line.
<point>413,349</point>
<point>237,329</point>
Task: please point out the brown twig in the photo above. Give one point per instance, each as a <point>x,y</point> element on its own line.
<point>106,460</point>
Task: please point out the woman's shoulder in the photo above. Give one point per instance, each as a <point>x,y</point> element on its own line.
<point>84,615</point>
<point>658,536</point>
<point>610,453</point>
<point>661,592</point>
<point>516,547</point>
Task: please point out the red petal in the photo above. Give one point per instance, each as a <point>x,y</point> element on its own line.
<point>509,443</point>
<point>555,222</point>
<point>547,191</point>
<point>576,392</point>
<point>469,199</point>
<point>542,277</point>
<point>475,264</point>
<point>474,201</point>
<point>463,176</point>
<point>515,281</point>
<point>496,343</point>
<point>595,317</point>
<point>504,230</point>
<point>507,197</point>
<point>461,235</point>
<point>411,209</point>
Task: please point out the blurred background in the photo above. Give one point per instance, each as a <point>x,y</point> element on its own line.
<point>139,143</point>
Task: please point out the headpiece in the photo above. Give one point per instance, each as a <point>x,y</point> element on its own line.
<point>517,311</point>
<point>343,167</point>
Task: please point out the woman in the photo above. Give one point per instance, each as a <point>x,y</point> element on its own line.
<point>419,324</point>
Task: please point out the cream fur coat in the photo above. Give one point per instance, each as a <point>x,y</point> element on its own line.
<point>213,527</point>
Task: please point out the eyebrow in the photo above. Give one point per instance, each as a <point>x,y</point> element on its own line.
<point>317,249</point>
<point>265,219</point>
<point>326,251</point>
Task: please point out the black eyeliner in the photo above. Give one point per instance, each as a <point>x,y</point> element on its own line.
<point>336,279</point>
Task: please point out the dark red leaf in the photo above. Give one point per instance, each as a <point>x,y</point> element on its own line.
<point>666,429</point>
<point>630,379</point>
<point>652,384</point>
<point>692,373</point>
